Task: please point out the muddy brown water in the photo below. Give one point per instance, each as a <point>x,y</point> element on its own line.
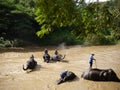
<point>12,77</point>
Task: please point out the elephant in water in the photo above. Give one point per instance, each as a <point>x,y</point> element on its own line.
<point>57,57</point>
<point>31,64</point>
<point>68,76</point>
<point>100,75</point>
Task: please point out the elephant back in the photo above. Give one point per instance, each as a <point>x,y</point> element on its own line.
<point>70,76</point>
<point>31,64</point>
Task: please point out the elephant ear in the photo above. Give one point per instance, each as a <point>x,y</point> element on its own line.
<point>101,73</point>
<point>69,73</point>
<point>70,76</point>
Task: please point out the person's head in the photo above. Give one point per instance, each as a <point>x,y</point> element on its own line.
<point>32,57</point>
<point>65,70</point>
<point>56,52</point>
<point>92,54</point>
<point>46,51</point>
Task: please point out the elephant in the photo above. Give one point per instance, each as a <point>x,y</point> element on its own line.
<point>30,64</point>
<point>57,57</point>
<point>46,56</point>
<point>100,75</point>
<point>69,77</point>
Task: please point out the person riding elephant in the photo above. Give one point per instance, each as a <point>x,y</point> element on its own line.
<point>32,59</point>
<point>63,75</point>
<point>30,64</point>
<point>66,76</point>
<point>46,56</point>
<point>100,75</point>
<point>57,56</point>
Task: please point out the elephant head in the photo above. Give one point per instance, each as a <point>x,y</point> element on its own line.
<point>112,76</point>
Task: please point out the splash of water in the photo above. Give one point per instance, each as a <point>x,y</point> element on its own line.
<point>62,46</point>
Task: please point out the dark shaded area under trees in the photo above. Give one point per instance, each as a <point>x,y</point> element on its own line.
<point>49,22</point>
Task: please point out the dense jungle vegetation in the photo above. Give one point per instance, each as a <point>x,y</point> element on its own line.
<point>51,22</point>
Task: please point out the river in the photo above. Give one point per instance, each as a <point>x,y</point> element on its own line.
<point>12,76</point>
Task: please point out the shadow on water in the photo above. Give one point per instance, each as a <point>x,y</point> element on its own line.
<point>65,61</point>
<point>37,68</point>
<point>59,81</point>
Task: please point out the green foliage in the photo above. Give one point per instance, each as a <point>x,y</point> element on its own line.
<point>4,43</point>
<point>86,19</point>
<point>70,21</point>
<point>57,13</point>
<point>58,37</point>
<point>99,40</point>
<point>99,23</point>
<point>25,6</point>
<point>16,23</point>
<point>13,43</point>
<point>118,42</point>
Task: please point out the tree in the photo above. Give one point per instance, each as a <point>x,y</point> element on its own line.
<point>17,20</point>
<point>98,22</point>
<point>50,13</point>
<point>116,12</point>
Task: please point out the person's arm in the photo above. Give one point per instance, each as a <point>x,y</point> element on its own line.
<point>94,59</point>
<point>66,75</point>
<point>64,78</point>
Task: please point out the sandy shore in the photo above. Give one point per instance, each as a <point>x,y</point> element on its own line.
<point>12,77</point>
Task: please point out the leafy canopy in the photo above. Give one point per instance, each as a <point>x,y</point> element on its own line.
<point>57,13</point>
<point>87,20</point>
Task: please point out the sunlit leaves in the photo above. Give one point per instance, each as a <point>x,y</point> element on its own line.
<point>58,13</point>
<point>45,30</point>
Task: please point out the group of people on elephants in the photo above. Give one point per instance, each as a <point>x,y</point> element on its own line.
<point>56,57</point>
<point>94,74</point>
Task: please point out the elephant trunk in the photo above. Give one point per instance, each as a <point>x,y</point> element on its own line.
<point>60,81</point>
<point>25,68</point>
